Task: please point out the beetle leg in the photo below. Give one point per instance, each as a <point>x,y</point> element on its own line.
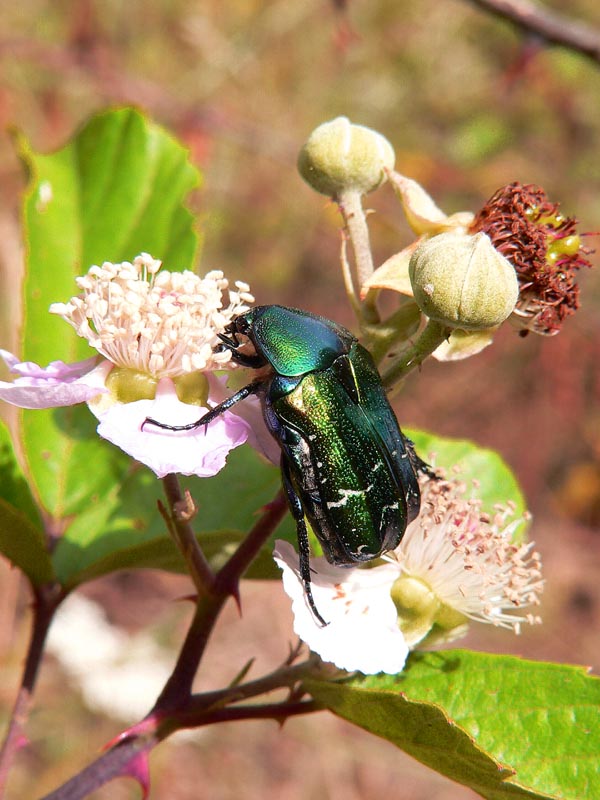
<point>245,391</point>
<point>303,545</point>
<point>417,461</point>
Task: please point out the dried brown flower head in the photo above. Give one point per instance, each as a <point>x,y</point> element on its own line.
<point>545,249</point>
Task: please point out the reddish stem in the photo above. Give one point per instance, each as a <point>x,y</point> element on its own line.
<point>114,762</point>
<point>46,601</point>
<point>178,688</point>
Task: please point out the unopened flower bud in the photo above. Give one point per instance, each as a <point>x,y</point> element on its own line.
<point>339,156</point>
<point>462,281</point>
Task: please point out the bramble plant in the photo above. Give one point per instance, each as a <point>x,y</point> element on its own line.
<point>153,341</point>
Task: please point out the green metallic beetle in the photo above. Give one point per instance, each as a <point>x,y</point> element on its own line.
<point>345,463</point>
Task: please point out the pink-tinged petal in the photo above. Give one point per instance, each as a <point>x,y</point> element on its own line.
<point>362,632</point>
<point>201,451</point>
<point>58,384</point>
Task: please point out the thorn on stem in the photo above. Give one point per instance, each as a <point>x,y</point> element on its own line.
<point>186,509</point>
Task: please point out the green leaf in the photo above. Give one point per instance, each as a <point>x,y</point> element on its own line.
<point>71,466</point>
<point>21,531</point>
<point>13,484</point>
<point>503,726</point>
<point>161,553</point>
<point>496,484</point>
<point>20,542</point>
<point>123,529</point>
<point>116,189</point>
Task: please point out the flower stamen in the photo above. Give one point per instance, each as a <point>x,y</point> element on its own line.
<point>160,323</point>
<point>468,559</point>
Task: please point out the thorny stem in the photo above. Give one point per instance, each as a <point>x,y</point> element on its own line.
<point>276,711</point>
<point>431,337</point>
<point>115,761</point>
<point>355,221</point>
<point>181,511</point>
<point>46,601</point>
<point>109,765</point>
<point>176,707</point>
<point>287,675</point>
<point>228,576</point>
<point>176,691</point>
<point>224,584</point>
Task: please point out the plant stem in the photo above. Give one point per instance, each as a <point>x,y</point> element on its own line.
<point>355,221</point>
<point>347,276</point>
<point>224,584</point>
<point>115,761</point>
<point>181,510</point>
<point>177,690</point>
<point>46,601</point>
<point>228,577</point>
<point>277,711</point>
<point>109,765</point>
<point>288,675</point>
<point>403,323</point>
<point>176,707</point>
<point>430,339</point>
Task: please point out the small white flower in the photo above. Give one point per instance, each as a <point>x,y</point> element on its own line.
<point>155,332</point>
<point>468,560</point>
<point>362,631</point>
<point>159,323</point>
<point>117,674</point>
<point>454,563</point>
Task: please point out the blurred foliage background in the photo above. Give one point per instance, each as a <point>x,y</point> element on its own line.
<point>469,104</point>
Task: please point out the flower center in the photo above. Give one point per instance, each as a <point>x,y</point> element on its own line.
<point>159,323</point>
<point>416,605</point>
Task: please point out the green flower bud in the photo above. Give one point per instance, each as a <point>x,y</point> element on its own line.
<point>462,281</point>
<point>339,157</point>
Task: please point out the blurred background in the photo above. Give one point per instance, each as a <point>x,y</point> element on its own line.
<point>469,104</point>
